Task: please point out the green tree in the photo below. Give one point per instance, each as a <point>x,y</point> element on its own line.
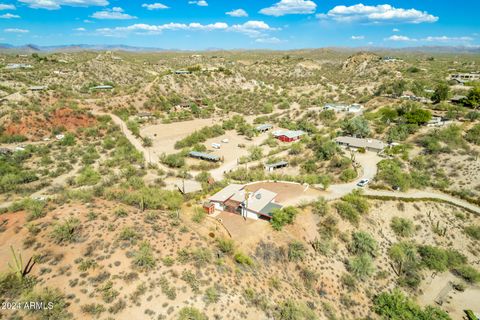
<point>357,126</point>
<point>441,93</point>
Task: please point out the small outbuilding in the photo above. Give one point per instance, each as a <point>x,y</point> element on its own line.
<point>365,143</point>
<point>204,156</point>
<point>288,135</point>
<point>264,127</point>
<point>276,165</point>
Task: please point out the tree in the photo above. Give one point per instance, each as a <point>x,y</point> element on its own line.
<point>473,98</point>
<point>397,306</point>
<point>441,93</point>
<point>357,126</point>
<point>404,256</point>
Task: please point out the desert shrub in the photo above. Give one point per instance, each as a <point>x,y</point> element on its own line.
<point>348,211</point>
<point>473,231</point>
<point>468,273</point>
<point>199,215</point>
<point>320,207</point>
<point>396,305</point>
<point>88,177</point>
<point>439,259</point>
<point>293,310</point>
<point>211,295</point>
<point>296,251</point>
<point>402,227</point>
<point>363,243</point>
<point>282,217</point>
<point>243,259</point>
<point>348,175</point>
<point>128,234</point>
<point>226,245</point>
<point>361,267</point>
<point>66,231</point>
<point>174,160</point>
<point>191,313</point>
<point>50,297</point>
<point>94,309</point>
<point>144,258</point>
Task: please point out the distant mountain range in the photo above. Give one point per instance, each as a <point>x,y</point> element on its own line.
<point>31,48</point>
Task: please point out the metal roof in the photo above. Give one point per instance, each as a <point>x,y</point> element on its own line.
<point>227,192</point>
<point>288,133</point>
<point>277,164</point>
<point>263,127</point>
<point>260,199</point>
<point>203,155</point>
<point>361,143</point>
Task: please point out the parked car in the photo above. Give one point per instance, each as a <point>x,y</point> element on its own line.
<point>362,183</point>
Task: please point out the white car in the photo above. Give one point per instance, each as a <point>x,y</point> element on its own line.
<point>216,145</point>
<point>362,183</point>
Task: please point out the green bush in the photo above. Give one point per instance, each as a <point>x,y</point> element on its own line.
<point>144,258</point>
<point>292,310</point>
<point>361,267</point>
<point>226,245</point>
<point>473,231</point>
<point>282,217</point>
<point>396,305</point>
<point>363,243</point>
<point>296,251</point>
<point>468,273</point>
<point>402,227</point>
<point>243,259</point>
<point>191,313</point>
<point>66,231</point>
<point>55,304</point>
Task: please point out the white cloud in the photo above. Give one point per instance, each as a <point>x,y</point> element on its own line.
<point>284,7</point>
<point>9,16</point>
<point>358,37</point>
<point>442,39</point>
<point>15,30</point>
<point>154,6</point>
<point>447,39</point>
<point>201,3</point>
<point>142,28</point>
<point>57,4</point>
<point>116,13</point>
<point>80,29</point>
<point>384,13</point>
<point>395,30</point>
<point>253,28</point>
<point>271,40</point>
<point>400,38</point>
<point>237,13</point>
<point>4,6</point>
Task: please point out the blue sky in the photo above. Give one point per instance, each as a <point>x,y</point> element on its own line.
<point>231,24</point>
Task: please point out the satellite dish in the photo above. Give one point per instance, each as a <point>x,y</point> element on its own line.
<point>258,196</point>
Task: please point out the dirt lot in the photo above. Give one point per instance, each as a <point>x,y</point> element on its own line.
<point>288,193</point>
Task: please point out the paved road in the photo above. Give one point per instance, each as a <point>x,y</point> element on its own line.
<point>368,163</point>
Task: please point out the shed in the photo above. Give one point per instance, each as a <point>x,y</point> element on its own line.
<point>264,127</point>
<point>102,87</point>
<point>204,156</point>
<point>276,165</point>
